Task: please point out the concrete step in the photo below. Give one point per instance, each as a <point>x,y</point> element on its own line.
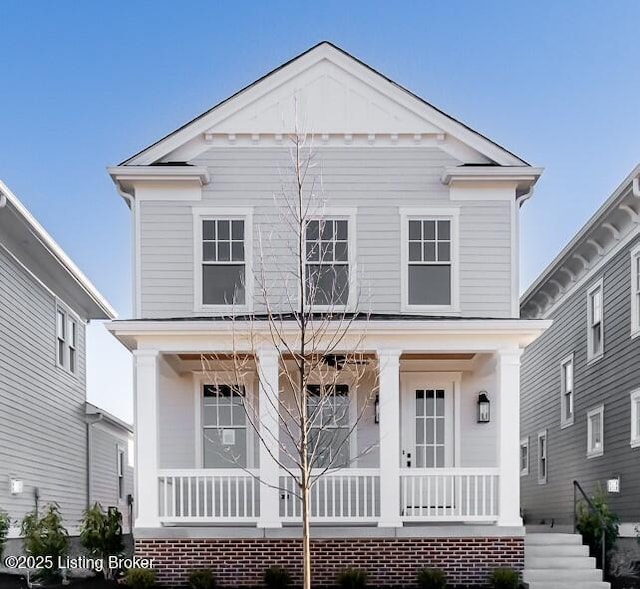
<point>559,562</point>
<point>569,585</point>
<point>552,539</point>
<point>557,550</point>
<point>567,575</point>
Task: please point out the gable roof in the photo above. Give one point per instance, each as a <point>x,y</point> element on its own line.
<point>38,245</point>
<point>436,119</point>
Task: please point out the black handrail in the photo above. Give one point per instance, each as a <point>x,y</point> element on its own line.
<point>594,509</point>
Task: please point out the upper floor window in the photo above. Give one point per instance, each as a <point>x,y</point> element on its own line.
<point>635,418</point>
<point>566,371</point>
<point>595,321</point>
<point>327,271</point>
<point>120,472</point>
<point>635,291</point>
<point>595,432</point>
<point>430,265</point>
<point>524,456</point>
<point>542,457</point>
<point>66,341</point>
<point>222,260</point>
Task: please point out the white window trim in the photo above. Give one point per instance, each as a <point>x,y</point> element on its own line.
<point>66,360</point>
<point>121,451</point>
<point>524,443</point>
<point>427,213</point>
<point>329,214</point>
<point>543,480</point>
<point>564,420</point>
<point>635,437</point>
<point>635,310</point>
<point>201,214</point>
<point>220,378</point>
<point>599,452</point>
<point>597,285</point>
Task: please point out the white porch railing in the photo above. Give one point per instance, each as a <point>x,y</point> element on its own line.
<point>209,495</point>
<point>449,494</point>
<point>338,496</point>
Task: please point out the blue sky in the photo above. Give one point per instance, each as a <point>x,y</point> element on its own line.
<point>85,84</point>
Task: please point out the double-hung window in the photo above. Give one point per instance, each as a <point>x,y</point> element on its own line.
<point>543,465</point>
<point>121,471</point>
<point>429,260</point>
<point>595,321</point>
<point>524,456</point>
<point>635,291</point>
<point>595,432</point>
<point>328,410</point>
<point>566,390</point>
<point>66,341</point>
<point>327,271</point>
<point>635,419</point>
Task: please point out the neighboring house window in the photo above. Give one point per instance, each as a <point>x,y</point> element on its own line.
<point>66,341</point>
<point>224,427</point>
<point>595,432</point>
<point>567,397</point>
<point>328,407</point>
<point>635,291</point>
<point>327,275</point>
<point>224,272</point>
<point>595,321</point>
<point>524,456</point>
<point>635,418</point>
<point>121,472</point>
<point>542,457</point>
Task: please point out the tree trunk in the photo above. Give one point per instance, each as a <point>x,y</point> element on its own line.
<point>306,540</point>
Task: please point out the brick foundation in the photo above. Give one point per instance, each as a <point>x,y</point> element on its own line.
<point>389,561</point>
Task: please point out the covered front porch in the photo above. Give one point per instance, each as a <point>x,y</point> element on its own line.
<point>418,454</point>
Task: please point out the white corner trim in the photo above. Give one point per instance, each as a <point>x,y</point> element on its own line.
<point>595,452</point>
<point>203,213</point>
<point>450,213</point>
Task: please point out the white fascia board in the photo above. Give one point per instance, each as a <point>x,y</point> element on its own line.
<point>58,254</point>
<point>280,75</point>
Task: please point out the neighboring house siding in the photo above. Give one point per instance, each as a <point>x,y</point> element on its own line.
<point>104,468</point>
<point>42,429</point>
<point>376,180</point>
<point>608,381</point>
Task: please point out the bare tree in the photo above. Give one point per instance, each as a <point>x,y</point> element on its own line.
<point>308,312</point>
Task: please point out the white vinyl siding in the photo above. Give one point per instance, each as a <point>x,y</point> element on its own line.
<point>595,321</point>
<point>567,398</point>
<point>635,291</point>
<point>595,432</point>
<point>524,457</point>
<point>635,419</point>
<point>543,458</point>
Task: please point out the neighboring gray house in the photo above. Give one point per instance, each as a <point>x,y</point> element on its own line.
<point>45,303</point>
<point>581,380</point>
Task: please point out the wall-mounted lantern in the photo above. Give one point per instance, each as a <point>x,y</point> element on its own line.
<point>484,408</point>
<point>376,410</point>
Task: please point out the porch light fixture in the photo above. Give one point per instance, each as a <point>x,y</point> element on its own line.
<point>484,408</point>
<point>376,410</point>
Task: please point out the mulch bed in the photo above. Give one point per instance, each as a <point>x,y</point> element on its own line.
<point>20,582</point>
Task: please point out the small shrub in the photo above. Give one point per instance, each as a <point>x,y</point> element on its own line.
<point>277,577</point>
<point>431,579</point>
<point>101,534</point>
<point>202,579</point>
<point>5,523</point>
<point>138,578</point>
<point>504,579</point>
<point>588,524</point>
<point>352,578</point>
<point>46,537</point>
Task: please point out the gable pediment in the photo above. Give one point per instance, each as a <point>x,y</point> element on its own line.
<point>327,92</point>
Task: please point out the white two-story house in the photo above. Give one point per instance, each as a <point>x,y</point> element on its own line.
<point>424,212</point>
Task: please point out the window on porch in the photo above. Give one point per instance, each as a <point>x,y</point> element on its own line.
<point>328,407</point>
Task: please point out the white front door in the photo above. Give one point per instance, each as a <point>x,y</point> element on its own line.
<point>427,420</point>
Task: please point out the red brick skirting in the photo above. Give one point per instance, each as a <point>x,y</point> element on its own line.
<point>389,561</point>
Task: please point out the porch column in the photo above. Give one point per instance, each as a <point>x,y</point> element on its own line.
<point>269,390</point>
<point>146,437</point>
<point>508,377</point>
<point>389,428</point>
